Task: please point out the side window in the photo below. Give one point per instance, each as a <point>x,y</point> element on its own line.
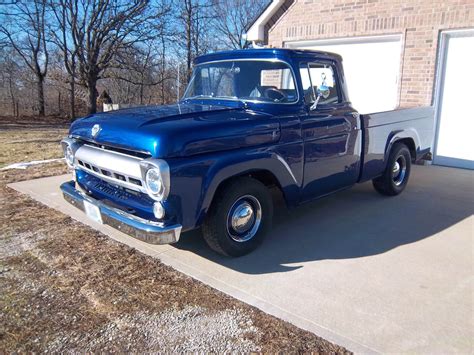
<point>316,75</point>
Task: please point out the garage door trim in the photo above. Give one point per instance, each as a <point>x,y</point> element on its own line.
<point>344,40</point>
<point>444,37</point>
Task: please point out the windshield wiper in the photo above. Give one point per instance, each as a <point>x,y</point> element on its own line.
<point>244,103</point>
<point>199,97</point>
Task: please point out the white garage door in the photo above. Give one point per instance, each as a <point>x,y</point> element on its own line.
<point>455,126</point>
<point>371,66</point>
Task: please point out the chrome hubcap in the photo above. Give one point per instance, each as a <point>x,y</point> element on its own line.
<point>244,218</point>
<point>399,170</point>
<point>396,168</point>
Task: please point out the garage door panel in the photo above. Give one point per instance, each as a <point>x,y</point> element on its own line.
<point>371,67</point>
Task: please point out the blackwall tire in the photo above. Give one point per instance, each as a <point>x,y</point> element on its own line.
<point>239,217</point>
<point>397,173</point>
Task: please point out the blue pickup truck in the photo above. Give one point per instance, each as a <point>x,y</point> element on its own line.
<point>250,120</point>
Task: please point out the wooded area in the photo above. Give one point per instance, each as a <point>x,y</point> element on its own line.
<point>64,57</point>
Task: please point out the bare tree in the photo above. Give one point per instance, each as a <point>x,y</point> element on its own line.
<point>144,64</point>
<point>133,49</point>
<point>163,68</point>
<point>138,66</point>
<point>188,10</point>
<point>194,17</point>
<point>9,71</point>
<point>164,37</point>
<point>60,34</point>
<point>25,33</point>
<point>233,17</point>
<point>98,30</point>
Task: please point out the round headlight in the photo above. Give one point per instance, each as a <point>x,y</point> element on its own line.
<point>154,181</point>
<point>69,156</point>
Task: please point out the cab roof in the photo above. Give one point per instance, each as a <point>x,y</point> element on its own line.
<point>267,53</point>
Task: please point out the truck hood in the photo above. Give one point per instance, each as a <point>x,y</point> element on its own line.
<point>179,130</point>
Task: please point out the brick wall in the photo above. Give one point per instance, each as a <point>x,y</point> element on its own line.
<point>419,22</point>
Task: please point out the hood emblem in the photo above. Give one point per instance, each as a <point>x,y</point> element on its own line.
<point>95,130</point>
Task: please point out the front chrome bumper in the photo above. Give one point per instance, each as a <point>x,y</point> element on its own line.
<point>148,231</point>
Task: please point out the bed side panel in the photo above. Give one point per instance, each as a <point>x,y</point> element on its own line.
<point>382,130</point>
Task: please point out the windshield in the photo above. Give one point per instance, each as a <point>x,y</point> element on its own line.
<point>255,80</point>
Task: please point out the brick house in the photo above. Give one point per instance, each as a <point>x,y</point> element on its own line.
<point>396,53</point>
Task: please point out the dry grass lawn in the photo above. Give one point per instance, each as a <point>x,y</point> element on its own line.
<point>67,287</point>
<point>23,139</point>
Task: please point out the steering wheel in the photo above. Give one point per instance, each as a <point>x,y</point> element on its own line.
<point>274,94</point>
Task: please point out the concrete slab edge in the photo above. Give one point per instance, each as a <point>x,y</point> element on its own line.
<point>267,307</point>
<point>196,274</point>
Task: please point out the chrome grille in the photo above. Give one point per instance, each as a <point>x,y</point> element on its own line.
<point>108,173</point>
<point>111,166</point>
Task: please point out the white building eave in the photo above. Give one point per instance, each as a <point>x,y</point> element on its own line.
<point>256,32</point>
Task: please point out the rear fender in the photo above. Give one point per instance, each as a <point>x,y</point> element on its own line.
<point>405,134</point>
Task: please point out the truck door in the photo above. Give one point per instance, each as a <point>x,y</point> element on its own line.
<point>331,134</point>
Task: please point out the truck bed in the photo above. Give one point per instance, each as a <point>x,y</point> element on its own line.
<point>381,129</point>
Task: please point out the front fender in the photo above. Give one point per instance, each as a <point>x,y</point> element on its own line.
<point>198,180</point>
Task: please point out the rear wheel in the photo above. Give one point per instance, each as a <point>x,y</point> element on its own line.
<point>239,217</point>
<point>396,174</point>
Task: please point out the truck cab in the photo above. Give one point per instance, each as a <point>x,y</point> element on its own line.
<point>249,121</point>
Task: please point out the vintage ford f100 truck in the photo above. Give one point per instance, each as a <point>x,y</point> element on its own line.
<point>249,120</point>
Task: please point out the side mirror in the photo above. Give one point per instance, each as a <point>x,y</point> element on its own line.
<point>322,91</point>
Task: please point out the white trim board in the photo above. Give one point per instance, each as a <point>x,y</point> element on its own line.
<point>440,78</point>
<point>344,40</point>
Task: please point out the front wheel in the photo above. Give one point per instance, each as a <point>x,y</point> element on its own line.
<point>396,174</point>
<point>239,217</point>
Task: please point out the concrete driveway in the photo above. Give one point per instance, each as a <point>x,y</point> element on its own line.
<point>372,273</point>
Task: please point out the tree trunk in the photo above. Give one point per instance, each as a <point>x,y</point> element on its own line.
<point>12,96</point>
<point>72,89</point>
<point>41,110</point>
<point>141,93</point>
<point>188,44</point>
<point>162,89</point>
<point>59,104</point>
<point>92,104</point>
<point>72,99</point>
<point>163,64</point>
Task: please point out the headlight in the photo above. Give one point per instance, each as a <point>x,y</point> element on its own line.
<point>154,182</point>
<point>156,178</point>
<point>69,156</point>
<point>69,146</point>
